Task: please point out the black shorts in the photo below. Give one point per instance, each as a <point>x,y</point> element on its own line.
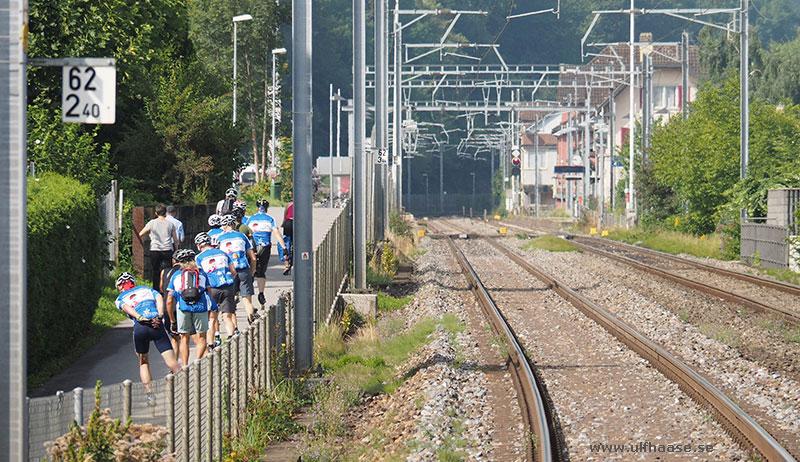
<point>288,227</point>
<point>225,297</point>
<point>263,253</point>
<point>143,335</point>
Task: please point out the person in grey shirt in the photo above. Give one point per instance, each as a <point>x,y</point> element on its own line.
<point>178,224</point>
<point>163,241</point>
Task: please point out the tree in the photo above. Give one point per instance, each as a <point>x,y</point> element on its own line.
<point>779,82</point>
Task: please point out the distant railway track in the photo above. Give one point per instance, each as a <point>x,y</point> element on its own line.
<point>643,259</point>
<point>533,406</point>
<point>740,425</point>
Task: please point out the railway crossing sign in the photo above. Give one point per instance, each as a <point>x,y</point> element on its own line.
<point>88,94</point>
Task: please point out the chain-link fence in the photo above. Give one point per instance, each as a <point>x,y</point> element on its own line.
<point>197,405</point>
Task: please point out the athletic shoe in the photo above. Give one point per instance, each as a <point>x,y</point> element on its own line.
<point>262,299</point>
<point>151,400</point>
<point>217,340</point>
<point>287,271</point>
<point>210,346</point>
<point>236,332</point>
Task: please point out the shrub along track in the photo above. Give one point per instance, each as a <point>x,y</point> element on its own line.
<point>602,392</point>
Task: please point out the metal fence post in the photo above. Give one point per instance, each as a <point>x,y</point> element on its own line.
<point>219,392</point>
<point>248,361</point>
<point>77,405</point>
<point>236,385</point>
<point>171,412</point>
<point>185,415</point>
<point>198,411</point>
<point>209,404</point>
<point>126,400</point>
<point>228,385</point>
<point>271,350</point>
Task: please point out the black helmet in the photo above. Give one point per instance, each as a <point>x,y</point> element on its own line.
<point>202,239</point>
<point>183,255</point>
<point>262,204</point>
<point>231,192</point>
<point>228,220</point>
<point>125,277</point>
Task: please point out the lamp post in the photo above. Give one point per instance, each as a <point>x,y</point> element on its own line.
<point>275,52</point>
<point>236,19</point>
<point>426,191</point>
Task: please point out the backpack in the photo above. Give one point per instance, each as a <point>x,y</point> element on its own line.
<point>190,277</point>
<point>227,207</point>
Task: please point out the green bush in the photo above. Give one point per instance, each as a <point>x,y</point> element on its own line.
<point>398,225</point>
<point>65,264</point>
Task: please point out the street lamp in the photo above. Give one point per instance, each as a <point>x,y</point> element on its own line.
<point>275,51</point>
<point>236,19</point>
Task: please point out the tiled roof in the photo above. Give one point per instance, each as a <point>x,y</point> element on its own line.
<point>545,139</point>
<point>617,56</point>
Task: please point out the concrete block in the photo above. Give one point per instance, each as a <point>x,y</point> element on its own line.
<point>365,304</point>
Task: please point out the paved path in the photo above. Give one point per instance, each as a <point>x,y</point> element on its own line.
<point>112,359</point>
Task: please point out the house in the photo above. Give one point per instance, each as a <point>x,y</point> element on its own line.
<point>546,147</point>
<point>608,111</point>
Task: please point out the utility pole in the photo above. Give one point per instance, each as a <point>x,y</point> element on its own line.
<point>685,74</point>
<point>13,232</point>
<point>631,196</point>
<point>359,183</point>
<point>397,149</point>
<point>744,97</point>
<point>302,149</point>
<point>536,166</point>
<point>441,178</point>
<point>645,104</point>
<point>330,145</point>
<point>587,170</point>
<point>611,145</point>
<point>381,109</point>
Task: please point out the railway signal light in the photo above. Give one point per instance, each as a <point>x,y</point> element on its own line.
<point>515,165</point>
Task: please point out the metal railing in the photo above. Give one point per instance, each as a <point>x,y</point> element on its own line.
<point>197,405</point>
<point>331,265</point>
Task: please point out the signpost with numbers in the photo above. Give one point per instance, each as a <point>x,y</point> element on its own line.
<point>381,156</point>
<point>89,88</point>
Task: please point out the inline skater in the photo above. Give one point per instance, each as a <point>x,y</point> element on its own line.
<point>215,228</point>
<point>263,227</point>
<point>288,236</point>
<point>145,306</point>
<point>187,293</point>
<point>221,275</point>
<point>240,251</point>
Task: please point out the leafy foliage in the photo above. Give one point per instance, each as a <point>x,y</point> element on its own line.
<point>65,255</point>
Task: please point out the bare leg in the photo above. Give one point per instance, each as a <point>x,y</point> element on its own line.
<point>261,283</point>
<point>171,360</point>
<point>185,349</point>
<point>144,370</point>
<point>230,322</point>
<point>199,345</point>
<point>213,326</point>
<point>248,304</point>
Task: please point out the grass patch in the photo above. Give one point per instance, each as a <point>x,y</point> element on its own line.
<point>270,416</point>
<point>789,333</point>
<point>551,243</point>
<point>672,242</point>
<point>721,334</point>
<point>105,317</point>
<point>784,275</point>
<point>367,360</point>
<point>389,303</point>
<point>378,277</point>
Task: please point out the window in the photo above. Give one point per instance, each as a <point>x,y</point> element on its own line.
<point>665,96</point>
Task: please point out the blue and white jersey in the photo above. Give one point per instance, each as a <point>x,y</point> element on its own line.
<point>214,233</point>
<point>236,245</point>
<point>262,226</point>
<point>175,288</point>
<point>142,299</point>
<point>214,263</point>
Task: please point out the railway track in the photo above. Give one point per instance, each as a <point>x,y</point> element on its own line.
<point>534,409</point>
<point>648,260</point>
<point>741,426</point>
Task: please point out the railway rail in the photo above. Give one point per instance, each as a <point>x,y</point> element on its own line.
<point>631,256</point>
<point>740,425</point>
<point>535,413</point>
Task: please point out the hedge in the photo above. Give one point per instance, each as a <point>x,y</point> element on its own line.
<point>65,258</point>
